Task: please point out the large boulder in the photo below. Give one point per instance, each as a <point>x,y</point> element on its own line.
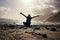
<point>53,29</point>
<point>44,35</point>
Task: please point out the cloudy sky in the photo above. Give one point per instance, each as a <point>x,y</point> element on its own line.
<point>10,9</point>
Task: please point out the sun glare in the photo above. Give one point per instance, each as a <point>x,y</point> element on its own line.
<point>27,1</point>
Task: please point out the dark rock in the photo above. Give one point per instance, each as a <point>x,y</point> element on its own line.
<point>11,26</point>
<point>53,29</point>
<point>36,34</point>
<point>36,28</point>
<point>44,35</point>
<point>47,28</point>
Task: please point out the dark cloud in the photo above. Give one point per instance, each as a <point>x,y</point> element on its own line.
<point>55,3</point>
<point>57,0</point>
<point>47,12</point>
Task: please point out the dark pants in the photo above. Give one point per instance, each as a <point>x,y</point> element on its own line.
<point>26,24</point>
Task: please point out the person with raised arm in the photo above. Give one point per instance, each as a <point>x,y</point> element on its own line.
<point>28,19</point>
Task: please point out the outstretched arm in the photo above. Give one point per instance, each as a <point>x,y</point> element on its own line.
<point>22,14</point>
<point>35,16</point>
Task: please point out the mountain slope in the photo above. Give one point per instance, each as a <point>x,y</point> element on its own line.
<point>7,21</point>
<point>55,18</point>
